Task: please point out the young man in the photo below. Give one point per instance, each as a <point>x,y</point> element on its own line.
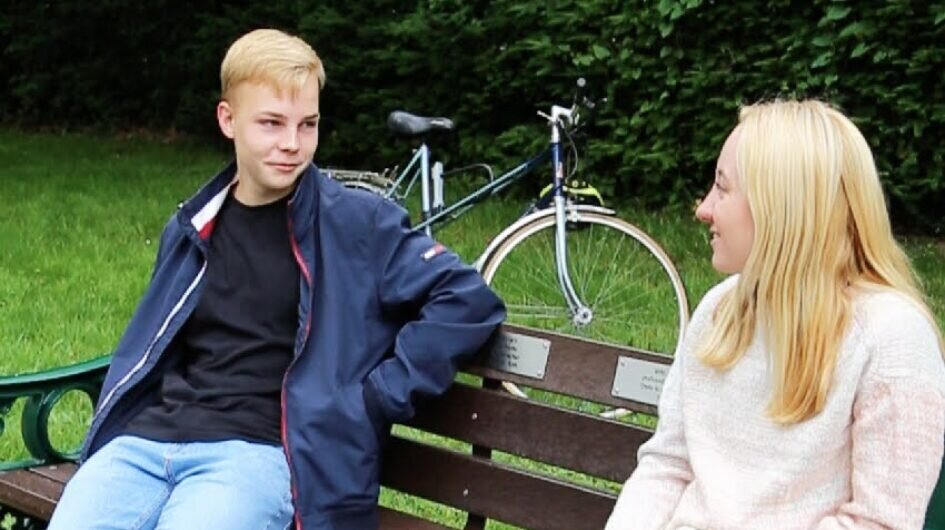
<point>289,321</point>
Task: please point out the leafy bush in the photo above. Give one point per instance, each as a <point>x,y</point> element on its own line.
<point>674,73</point>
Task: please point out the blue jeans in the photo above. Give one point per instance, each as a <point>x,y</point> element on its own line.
<point>138,484</point>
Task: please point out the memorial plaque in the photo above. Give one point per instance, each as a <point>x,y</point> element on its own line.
<point>639,380</point>
<point>519,354</point>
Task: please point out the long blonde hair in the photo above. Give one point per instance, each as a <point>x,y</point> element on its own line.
<point>821,232</point>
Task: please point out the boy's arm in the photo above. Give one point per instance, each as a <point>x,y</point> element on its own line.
<point>455,310</point>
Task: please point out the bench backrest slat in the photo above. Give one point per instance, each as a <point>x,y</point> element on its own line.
<point>575,367</point>
<point>561,438</point>
<point>492,489</point>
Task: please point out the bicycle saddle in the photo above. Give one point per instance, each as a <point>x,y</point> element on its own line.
<point>406,124</point>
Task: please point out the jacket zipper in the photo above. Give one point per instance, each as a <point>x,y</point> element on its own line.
<point>147,353</point>
<point>284,424</point>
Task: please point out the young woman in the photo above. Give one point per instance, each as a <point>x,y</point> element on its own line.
<point>809,392</point>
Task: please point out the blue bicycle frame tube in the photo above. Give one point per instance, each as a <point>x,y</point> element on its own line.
<point>557,168</point>
<point>482,193</point>
<point>421,155</point>
<point>425,191</point>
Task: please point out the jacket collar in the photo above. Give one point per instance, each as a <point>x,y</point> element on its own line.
<point>198,214</point>
<point>304,203</point>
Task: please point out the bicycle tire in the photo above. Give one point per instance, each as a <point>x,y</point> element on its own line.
<point>612,264</point>
<point>361,185</point>
<point>376,183</point>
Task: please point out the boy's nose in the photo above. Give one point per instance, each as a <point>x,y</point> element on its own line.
<point>290,140</point>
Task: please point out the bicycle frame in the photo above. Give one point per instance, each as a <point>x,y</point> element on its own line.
<point>421,156</point>
<point>440,213</point>
<point>434,211</point>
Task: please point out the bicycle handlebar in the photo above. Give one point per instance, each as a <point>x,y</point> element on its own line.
<point>563,116</point>
<point>579,93</point>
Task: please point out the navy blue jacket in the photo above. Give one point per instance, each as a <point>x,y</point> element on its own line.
<point>385,314</point>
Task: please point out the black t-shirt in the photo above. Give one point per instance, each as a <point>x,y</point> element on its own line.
<point>229,359</point>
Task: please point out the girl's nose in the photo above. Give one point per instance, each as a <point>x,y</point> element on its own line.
<point>704,210</point>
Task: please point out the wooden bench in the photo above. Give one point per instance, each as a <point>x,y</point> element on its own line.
<point>481,454</point>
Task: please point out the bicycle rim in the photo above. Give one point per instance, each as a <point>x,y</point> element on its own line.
<point>627,280</point>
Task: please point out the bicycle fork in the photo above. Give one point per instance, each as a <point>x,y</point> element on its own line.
<point>581,314</point>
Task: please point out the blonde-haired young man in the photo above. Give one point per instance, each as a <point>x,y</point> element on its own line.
<point>289,321</point>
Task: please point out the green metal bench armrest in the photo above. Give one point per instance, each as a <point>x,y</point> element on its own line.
<point>42,390</point>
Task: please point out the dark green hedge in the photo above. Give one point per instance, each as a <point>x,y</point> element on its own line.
<point>674,73</point>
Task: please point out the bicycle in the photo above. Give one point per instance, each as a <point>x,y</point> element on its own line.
<point>565,267</point>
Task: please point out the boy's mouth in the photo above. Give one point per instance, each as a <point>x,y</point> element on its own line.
<point>285,168</point>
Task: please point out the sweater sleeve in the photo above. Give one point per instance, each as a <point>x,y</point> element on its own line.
<point>898,429</point>
<point>649,498</point>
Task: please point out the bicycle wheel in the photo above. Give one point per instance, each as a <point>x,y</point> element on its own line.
<point>366,186</point>
<point>618,271</point>
<point>376,183</point>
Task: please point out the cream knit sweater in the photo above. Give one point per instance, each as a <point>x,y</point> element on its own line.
<point>869,460</point>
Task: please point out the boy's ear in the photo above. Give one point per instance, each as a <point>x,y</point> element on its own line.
<point>225,118</point>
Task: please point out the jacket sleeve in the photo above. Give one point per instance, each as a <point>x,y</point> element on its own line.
<point>453,313</point>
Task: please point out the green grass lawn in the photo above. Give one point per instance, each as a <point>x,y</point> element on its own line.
<point>82,214</point>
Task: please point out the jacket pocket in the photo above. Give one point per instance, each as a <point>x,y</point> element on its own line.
<point>375,413</point>
<point>362,434</point>
<point>347,455</point>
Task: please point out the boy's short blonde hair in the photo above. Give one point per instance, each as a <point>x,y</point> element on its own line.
<point>270,56</point>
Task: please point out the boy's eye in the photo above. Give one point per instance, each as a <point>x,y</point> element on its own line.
<point>269,123</point>
<point>310,124</point>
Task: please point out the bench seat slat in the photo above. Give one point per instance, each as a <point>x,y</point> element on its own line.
<point>575,367</point>
<point>29,492</point>
<point>491,489</point>
<point>35,492</point>
<point>60,473</point>
<point>528,428</point>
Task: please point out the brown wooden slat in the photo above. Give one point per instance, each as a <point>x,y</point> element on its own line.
<point>576,367</point>
<point>56,472</point>
<point>537,431</point>
<point>491,489</point>
<point>30,493</point>
<point>394,520</point>
<point>36,491</point>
